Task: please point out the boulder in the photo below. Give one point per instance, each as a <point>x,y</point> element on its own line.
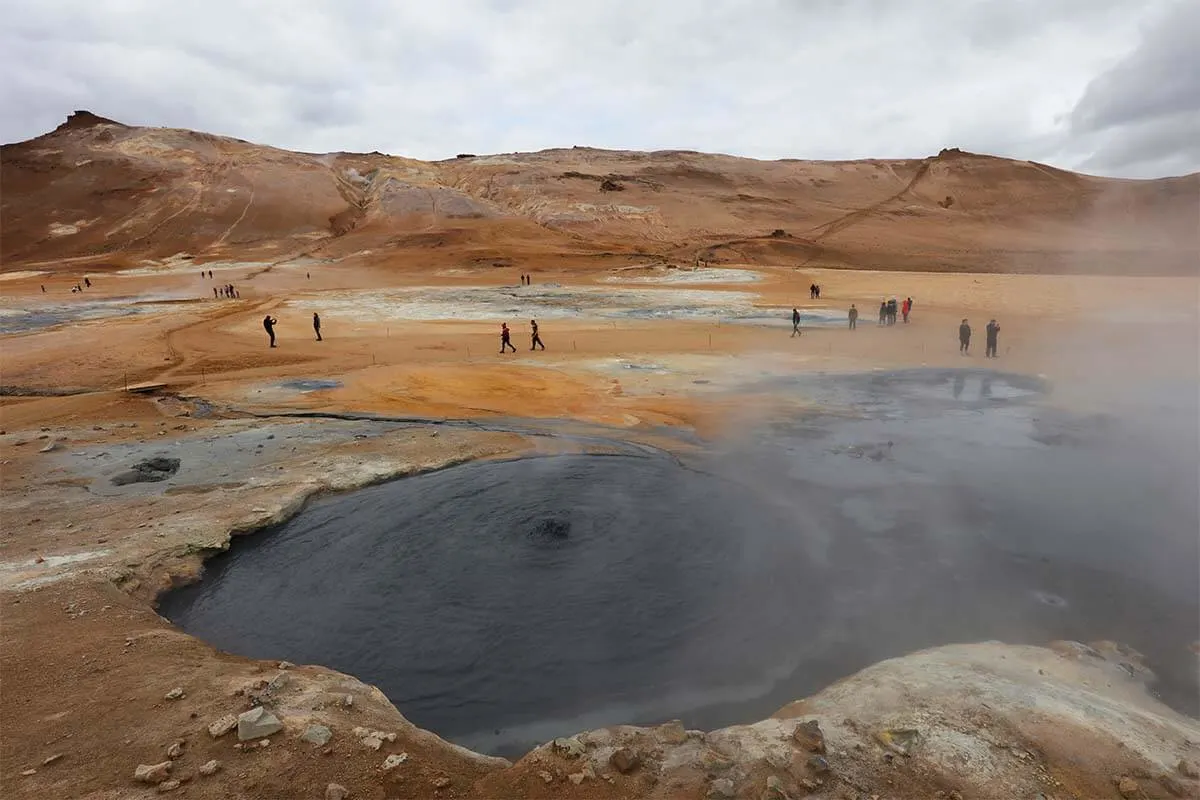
<point>223,726</point>
<point>152,773</point>
<point>317,734</point>
<point>624,760</point>
<point>257,723</point>
<point>810,736</point>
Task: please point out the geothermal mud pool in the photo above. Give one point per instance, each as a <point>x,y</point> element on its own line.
<point>502,604</point>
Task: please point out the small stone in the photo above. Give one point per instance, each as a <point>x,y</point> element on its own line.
<point>51,759</point>
<point>544,775</point>
<point>393,761</point>
<point>391,737</point>
<point>335,791</point>
<point>360,731</point>
<point>809,784</point>
<point>1187,769</point>
<point>210,767</point>
<point>257,723</point>
<point>175,751</point>
<point>722,789</point>
<point>372,743</point>
<point>265,743</point>
<point>441,783</point>
<point>278,682</point>
<point>775,789</point>
<point>672,732</point>
<point>286,665</point>
<point>317,734</point>
<point>955,794</point>
<point>28,772</point>
<point>818,765</point>
<point>576,778</point>
<point>624,760</point>
<point>570,746</point>
<point>152,773</point>
<point>169,786</point>
<point>237,746</point>
<point>810,736</point>
<point>223,726</point>
<point>50,447</point>
<point>1128,787</point>
<point>349,701</point>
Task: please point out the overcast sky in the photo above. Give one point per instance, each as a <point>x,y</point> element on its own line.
<point>1104,86</point>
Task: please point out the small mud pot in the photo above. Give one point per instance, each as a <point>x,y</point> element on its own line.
<point>503,604</point>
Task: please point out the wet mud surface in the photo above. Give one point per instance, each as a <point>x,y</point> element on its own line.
<point>502,604</point>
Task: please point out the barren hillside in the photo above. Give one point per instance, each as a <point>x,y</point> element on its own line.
<point>107,193</point>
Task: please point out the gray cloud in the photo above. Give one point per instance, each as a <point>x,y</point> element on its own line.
<point>1073,82</point>
<point>1143,114</point>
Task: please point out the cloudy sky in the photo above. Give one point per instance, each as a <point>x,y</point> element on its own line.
<point>1104,86</point>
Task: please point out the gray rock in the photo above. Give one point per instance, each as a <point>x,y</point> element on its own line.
<point>441,783</point>
<point>571,747</point>
<point>50,447</point>
<point>317,734</point>
<point>169,786</point>
<point>51,759</point>
<point>809,736</point>
<point>278,682</point>
<point>818,765</point>
<point>546,776</point>
<point>286,665</point>
<point>1188,769</point>
<point>372,742</point>
<point>722,789</point>
<point>335,791</point>
<point>210,767</point>
<point>223,726</point>
<point>672,732</point>
<point>151,470</point>
<point>624,760</point>
<point>257,723</point>
<point>152,773</point>
<point>175,751</point>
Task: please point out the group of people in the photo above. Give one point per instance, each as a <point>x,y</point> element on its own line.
<point>228,290</point>
<point>889,310</point>
<point>87,284</point>
<point>526,280</point>
<point>814,292</point>
<point>992,333</point>
<point>535,339</point>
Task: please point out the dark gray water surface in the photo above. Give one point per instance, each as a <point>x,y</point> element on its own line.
<point>502,604</point>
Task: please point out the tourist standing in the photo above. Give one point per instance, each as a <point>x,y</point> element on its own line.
<point>993,332</point>
<point>269,323</point>
<point>853,317</point>
<point>964,338</point>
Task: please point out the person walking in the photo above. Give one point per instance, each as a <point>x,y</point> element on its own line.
<point>505,338</point>
<point>317,325</point>
<point>883,313</point>
<point>964,338</point>
<point>905,308</point>
<point>269,323</point>
<point>215,295</point>
<point>795,322</point>
<point>535,338</point>
<point>853,317</point>
<point>993,332</point>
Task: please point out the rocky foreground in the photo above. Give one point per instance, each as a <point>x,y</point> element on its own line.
<point>108,700</point>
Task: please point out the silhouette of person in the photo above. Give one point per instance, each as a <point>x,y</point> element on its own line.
<point>505,338</point>
<point>817,290</point>
<point>43,288</point>
<point>883,313</point>
<point>993,332</point>
<point>215,295</point>
<point>964,337</point>
<point>535,338</point>
<point>907,308</point>
<point>795,322</point>
<point>853,317</point>
<point>317,325</point>
<point>87,283</point>
<point>269,324</point>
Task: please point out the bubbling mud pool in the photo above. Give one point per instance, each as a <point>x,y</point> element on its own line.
<point>501,604</point>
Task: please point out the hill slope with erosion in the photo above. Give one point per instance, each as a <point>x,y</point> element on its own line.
<point>101,192</point>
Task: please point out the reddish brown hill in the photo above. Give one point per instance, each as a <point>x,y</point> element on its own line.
<point>94,188</point>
